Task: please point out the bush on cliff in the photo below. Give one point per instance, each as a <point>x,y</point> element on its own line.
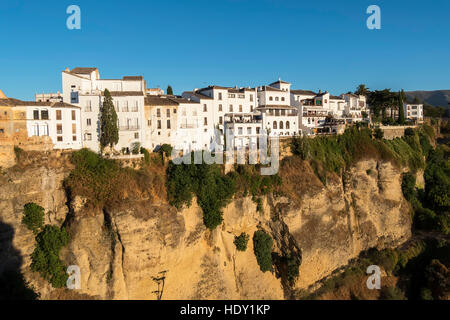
<point>33,217</point>
<point>212,188</point>
<point>45,257</point>
<point>241,241</point>
<point>262,246</point>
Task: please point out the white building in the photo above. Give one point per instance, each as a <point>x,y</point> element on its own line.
<point>60,121</point>
<point>413,112</point>
<point>356,107</point>
<point>84,87</point>
<point>244,129</point>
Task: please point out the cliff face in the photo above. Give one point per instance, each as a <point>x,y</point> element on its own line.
<point>123,251</point>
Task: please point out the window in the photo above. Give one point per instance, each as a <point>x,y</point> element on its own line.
<point>257,130</point>
<point>44,114</point>
<point>220,120</point>
<point>168,124</point>
<point>73,116</point>
<point>240,108</point>
<point>74,138</point>
<point>59,129</point>
<point>58,115</point>
<point>88,122</point>
<point>59,138</point>
<point>281,125</point>
<point>88,107</point>
<point>239,130</point>
<point>220,95</point>
<point>205,108</point>
<point>159,124</point>
<point>251,97</point>
<point>88,137</point>
<point>287,125</point>
<point>277,112</point>
<point>231,95</point>
<point>283,112</point>
<point>231,108</point>
<point>174,110</point>
<point>241,96</point>
<point>270,98</point>
<point>275,125</point>
<point>282,98</point>
<point>74,128</point>
<point>276,98</point>
<point>158,113</point>
<point>251,108</point>
<point>136,135</point>
<point>125,106</point>
<point>249,130</point>
<point>149,123</point>
<point>168,113</point>
<point>220,107</point>
<point>205,121</point>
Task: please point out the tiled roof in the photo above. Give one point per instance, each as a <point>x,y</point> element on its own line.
<point>199,95</point>
<point>133,78</point>
<point>304,92</point>
<point>279,81</point>
<point>15,102</point>
<point>79,70</point>
<point>269,88</point>
<point>159,101</point>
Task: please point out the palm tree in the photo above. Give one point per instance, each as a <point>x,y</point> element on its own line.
<point>361,90</point>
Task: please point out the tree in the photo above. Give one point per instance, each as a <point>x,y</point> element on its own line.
<point>33,217</point>
<point>262,246</point>
<point>401,113</point>
<point>241,241</point>
<point>362,90</point>
<point>169,90</point>
<point>108,122</point>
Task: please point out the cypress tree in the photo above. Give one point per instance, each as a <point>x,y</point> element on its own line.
<point>401,111</point>
<point>108,122</point>
<point>169,90</point>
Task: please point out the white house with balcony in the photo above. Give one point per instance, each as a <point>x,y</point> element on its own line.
<point>413,112</point>
<point>356,107</point>
<point>58,120</point>
<point>244,129</point>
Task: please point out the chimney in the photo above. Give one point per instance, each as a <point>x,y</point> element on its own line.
<point>67,69</point>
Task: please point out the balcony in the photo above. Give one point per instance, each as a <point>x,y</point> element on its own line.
<point>129,128</point>
<point>188,126</point>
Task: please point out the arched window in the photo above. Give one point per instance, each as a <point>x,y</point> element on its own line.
<point>276,98</point>
<point>287,125</point>
<point>275,125</point>
<point>270,98</point>
<point>281,125</point>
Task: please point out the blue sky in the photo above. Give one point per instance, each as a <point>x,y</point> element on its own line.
<point>320,44</point>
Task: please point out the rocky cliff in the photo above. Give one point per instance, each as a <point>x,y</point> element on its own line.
<point>141,249</point>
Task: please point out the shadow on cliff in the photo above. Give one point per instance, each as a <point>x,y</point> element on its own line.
<point>12,283</point>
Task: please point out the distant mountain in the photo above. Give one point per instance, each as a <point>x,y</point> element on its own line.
<point>437,98</point>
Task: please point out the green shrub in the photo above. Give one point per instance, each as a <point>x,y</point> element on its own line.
<point>392,293</point>
<point>262,246</point>
<point>33,217</point>
<point>241,241</point>
<point>409,186</point>
<point>213,189</point>
<point>293,265</point>
<point>93,177</point>
<point>378,134</point>
<point>146,155</point>
<point>166,149</point>
<point>45,257</point>
<point>135,147</point>
<point>409,132</point>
